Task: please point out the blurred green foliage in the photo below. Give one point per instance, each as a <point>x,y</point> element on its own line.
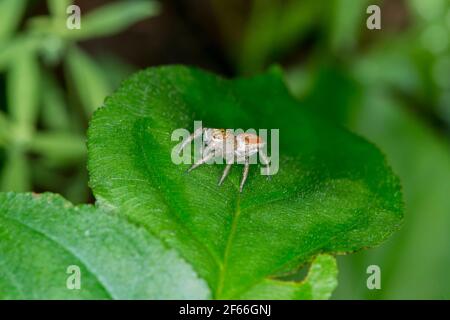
<point>395,93</point>
<point>42,127</point>
<point>390,85</point>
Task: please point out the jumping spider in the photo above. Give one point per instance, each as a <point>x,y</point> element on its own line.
<point>223,143</point>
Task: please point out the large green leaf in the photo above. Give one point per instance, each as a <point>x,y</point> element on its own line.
<point>334,192</point>
<point>41,236</point>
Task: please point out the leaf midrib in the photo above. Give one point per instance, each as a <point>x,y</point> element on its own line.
<point>222,271</point>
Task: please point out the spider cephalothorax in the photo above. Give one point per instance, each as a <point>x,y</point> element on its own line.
<point>224,143</point>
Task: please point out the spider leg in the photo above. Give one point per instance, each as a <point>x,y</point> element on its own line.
<point>209,148</point>
<point>245,173</point>
<point>265,161</point>
<point>201,161</point>
<point>197,133</point>
<point>225,173</point>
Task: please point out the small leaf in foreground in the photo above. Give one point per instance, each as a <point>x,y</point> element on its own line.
<point>42,235</point>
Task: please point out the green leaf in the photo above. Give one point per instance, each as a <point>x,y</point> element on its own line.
<point>113,18</point>
<point>318,285</point>
<point>23,95</point>
<point>10,50</point>
<point>88,79</point>
<point>59,146</point>
<point>331,83</point>
<point>58,8</point>
<point>272,28</point>
<point>15,173</point>
<point>54,108</point>
<point>42,235</point>
<point>4,129</point>
<point>347,22</point>
<point>11,14</point>
<point>334,192</point>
